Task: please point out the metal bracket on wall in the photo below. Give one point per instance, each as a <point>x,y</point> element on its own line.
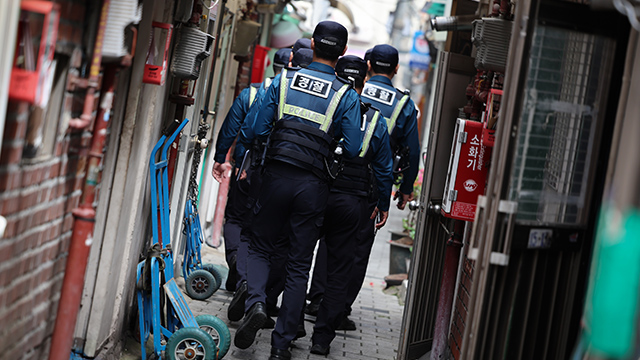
<point>480,206</point>
<point>497,258</point>
<point>509,208</point>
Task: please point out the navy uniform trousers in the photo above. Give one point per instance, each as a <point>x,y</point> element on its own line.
<point>366,236</point>
<point>289,197</point>
<point>342,222</point>
<point>235,214</point>
<point>362,250</point>
<point>238,214</point>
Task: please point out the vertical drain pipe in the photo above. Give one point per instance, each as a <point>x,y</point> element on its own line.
<point>447,289</point>
<point>223,189</point>
<point>84,215</point>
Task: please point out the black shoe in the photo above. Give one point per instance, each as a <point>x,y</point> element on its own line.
<point>232,277</point>
<point>346,324</point>
<point>254,320</point>
<point>320,350</point>
<point>235,312</point>
<point>313,307</point>
<point>269,323</point>
<point>280,354</point>
<point>301,332</point>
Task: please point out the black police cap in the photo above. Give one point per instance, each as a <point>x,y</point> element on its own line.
<point>302,43</point>
<point>367,55</point>
<point>384,56</point>
<point>281,58</point>
<point>302,58</point>
<point>351,66</point>
<point>330,37</point>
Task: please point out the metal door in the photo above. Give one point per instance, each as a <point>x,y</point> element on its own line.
<point>454,73</point>
<point>546,182</point>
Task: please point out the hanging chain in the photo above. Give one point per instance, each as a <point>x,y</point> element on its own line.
<point>201,143</point>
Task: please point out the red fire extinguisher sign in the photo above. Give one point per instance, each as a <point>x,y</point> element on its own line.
<point>467,173</point>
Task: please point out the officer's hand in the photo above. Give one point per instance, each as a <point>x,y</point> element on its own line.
<point>221,171</point>
<point>243,175</point>
<point>403,199</point>
<point>384,215</point>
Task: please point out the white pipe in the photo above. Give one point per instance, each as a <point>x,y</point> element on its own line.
<point>9,17</point>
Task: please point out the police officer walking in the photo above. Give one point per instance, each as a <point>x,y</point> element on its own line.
<point>235,211</point>
<point>365,179</point>
<point>303,112</point>
<point>399,110</point>
<point>275,286</point>
<point>401,115</point>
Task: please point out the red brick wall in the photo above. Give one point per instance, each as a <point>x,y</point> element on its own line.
<point>461,304</point>
<point>36,198</point>
<point>244,72</point>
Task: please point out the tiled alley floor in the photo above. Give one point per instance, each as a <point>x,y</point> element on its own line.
<point>378,316</point>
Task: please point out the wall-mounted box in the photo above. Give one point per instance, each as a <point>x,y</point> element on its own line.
<point>33,66</point>
<point>155,68</point>
<point>192,46</point>
<point>467,172</point>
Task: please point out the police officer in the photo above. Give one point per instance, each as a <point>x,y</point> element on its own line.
<point>399,110</point>
<point>319,279</point>
<point>303,112</point>
<point>400,114</point>
<point>365,179</point>
<point>275,286</point>
<point>235,210</point>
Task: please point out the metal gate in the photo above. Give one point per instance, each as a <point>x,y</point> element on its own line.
<point>454,73</point>
<point>546,182</point>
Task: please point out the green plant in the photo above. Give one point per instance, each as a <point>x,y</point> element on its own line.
<point>409,227</point>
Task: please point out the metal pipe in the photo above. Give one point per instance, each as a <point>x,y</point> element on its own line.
<point>82,235</point>
<point>447,289</point>
<point>223,190</point>
<point>73,283</point>
<point>94,71</point>
<point>219,19</point>
<point>452,23</point>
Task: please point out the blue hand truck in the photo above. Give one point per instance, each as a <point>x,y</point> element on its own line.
<point>176,332</point>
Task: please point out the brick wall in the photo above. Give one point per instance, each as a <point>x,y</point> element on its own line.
<point>36,198</point>
<point>461,304</point>
<point>244,72</point>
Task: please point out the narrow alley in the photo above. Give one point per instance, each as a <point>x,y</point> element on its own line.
<point>377,312</point>
<point>168,166</point>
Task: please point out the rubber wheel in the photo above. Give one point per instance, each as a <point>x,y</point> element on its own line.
<point>201,284</point>
<point>215,272</point>
<point>218,330</point>
<point>190,344</point>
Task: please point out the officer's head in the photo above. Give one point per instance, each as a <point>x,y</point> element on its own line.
<point>302,58</point>
<point>329,40</point>
<point>352,68</point>
<point>302,43</point>
<point>384,60</point>
<point>367,56</point>
<point>281,59</point>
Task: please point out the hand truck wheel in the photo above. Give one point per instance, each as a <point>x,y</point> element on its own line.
<point>200,284</point>
<point>218,330</point>
<point>190,344</point>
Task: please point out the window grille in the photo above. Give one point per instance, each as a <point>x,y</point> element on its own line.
<point>555,145</point>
